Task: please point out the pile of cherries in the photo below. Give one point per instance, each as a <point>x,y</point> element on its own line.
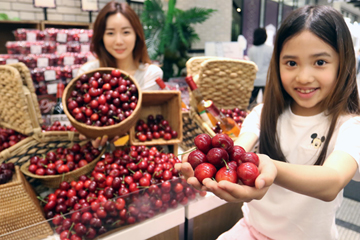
<point>6,172</point>
<point>63,160</point>
<point>9,137</point>
<point>127,186</point>
<point>154,128</point>
<point>236,113</point>
<point>218,158</point>
<point>56,126</point>
<point>103,99</point>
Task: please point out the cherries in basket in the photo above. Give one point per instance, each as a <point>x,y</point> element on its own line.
<point>63,160</point>
<point>6,172</point>
<point>103,99</point>
<point>218,158</point>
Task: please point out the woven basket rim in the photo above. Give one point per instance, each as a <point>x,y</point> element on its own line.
<point>25,171</point>
<point>102,69</point>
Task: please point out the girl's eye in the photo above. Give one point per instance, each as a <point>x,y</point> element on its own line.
<point>109,33</point>
<point>291,63</point>
<point>320,62</point>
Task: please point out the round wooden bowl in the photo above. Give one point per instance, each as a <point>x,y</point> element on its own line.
<point>93,132</point>
<point>53,181</point>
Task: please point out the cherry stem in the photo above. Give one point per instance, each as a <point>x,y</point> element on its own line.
<point>131,171</point>
<point>41,199</point>
<point>227,167</point>
<point>72,225</point>
<point>213,179</point>
<point>188,151</point>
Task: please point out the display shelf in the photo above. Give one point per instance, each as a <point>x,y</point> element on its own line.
<point>7,27</point>
<point>203,205</point>
<point>167,223</point>
<point>63,25</point>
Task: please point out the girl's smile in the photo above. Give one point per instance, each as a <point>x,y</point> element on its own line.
<point>308,71</point>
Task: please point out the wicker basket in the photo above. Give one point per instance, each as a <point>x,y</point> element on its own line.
<point>20,111</point>
<point>53,181</point>
<point>20,212</point>
<point>166,103</point>
<point>227,82</point>
<point>111,131</point>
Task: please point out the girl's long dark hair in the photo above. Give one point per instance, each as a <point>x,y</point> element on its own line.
<point>327,24</point>
<point>140,53</point>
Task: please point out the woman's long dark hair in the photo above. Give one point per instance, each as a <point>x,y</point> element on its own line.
<point>140,53</point>
<point>327,24</point>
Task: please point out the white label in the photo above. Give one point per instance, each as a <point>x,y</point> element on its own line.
<point>30,36</point>
<point>49,75</point>
<point>52,88</point>
<point>85,48</point>
<point>35,49</point>
<point>61,37</point>
<point>69,60</point>
<point>42,62</point>
<point>74,72</point>
<point>83,37</point>
<point>61,48</point>
<point>11,60</point>
<point>90,58</point>
<point>62,118</point>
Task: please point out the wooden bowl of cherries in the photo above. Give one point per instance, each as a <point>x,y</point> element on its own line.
<point>103,101</point>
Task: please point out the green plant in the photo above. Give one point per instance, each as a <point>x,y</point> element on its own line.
<point>169,35</point>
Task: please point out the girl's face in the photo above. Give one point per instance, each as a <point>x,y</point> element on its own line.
<point>119,37</point>
<point>308,71</point>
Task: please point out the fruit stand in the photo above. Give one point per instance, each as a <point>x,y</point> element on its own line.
<point>132,191</point>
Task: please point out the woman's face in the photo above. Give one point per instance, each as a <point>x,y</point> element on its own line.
<point>119,37</point>
<point>308,71</point>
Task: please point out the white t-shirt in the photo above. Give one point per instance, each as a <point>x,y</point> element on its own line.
<point>283,214</point>
<point>145,75</point>
<point>261,56</point>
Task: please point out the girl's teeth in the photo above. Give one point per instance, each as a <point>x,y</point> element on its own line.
<point>306,91</point>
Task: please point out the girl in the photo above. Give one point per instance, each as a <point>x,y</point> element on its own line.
<point>118,41</point>
<point>307,130</point>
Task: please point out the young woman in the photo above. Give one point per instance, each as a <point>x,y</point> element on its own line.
<point>118,41</point>
<point>307,131</point>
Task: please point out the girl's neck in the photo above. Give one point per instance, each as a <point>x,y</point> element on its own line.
<point>128,65</point>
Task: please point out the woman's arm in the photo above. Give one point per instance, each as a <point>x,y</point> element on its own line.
<point>322,182</point>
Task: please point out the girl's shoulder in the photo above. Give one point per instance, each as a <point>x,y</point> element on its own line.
<point>89,66</point>
<point>149,67</point>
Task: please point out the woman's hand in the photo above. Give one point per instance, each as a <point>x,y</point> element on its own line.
<point>232,192</point>
<point>100,141</point>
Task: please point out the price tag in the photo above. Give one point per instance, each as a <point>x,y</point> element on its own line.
<point>61,37</point>
<point>49,75</point>
<point>83,37</point>
<point>11,60</point>
<point>35,49</point>
<point>75,72</point>
<point>85,48</point>
<point>30,36</point>
<point>42,62</point>
<point>69,60</point>
<point>52,88</point>
<point>61,48</point>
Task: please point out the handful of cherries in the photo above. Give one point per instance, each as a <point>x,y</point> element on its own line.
<point>6,172</point>
<point>218,158</point>
<point>103,99</point>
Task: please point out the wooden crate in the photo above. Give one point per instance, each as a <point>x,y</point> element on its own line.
<point>167,103</point>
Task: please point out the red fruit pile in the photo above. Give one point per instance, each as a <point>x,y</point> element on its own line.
<point>6,172</point>
<point>155,128</point>
<point>236,113</point>
<point>9,137</point>
<point>63,160</point>
<point>127,186</point>
<point>56,126</point>
<point>103,99</point>
<point>218,158</point>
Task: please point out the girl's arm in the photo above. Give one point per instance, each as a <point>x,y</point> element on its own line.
<point>322,182</point>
